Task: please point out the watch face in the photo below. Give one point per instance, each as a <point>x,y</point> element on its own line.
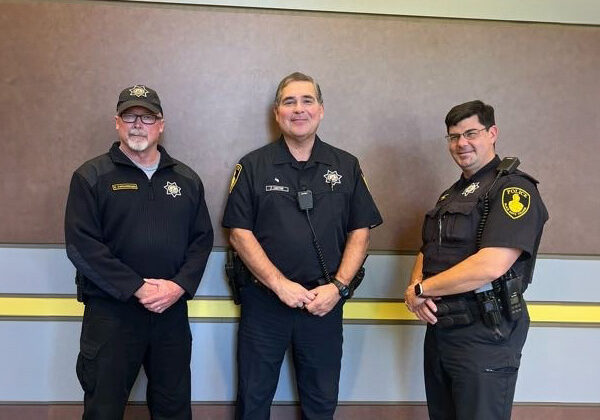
<point>418,289</point>
<point>342,289</point>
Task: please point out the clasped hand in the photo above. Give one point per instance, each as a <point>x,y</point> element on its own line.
<point>423,308</point>
<point>318,301</point>
<point>157,295</point>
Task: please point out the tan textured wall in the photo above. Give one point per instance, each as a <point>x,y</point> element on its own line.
<point>388,83</point>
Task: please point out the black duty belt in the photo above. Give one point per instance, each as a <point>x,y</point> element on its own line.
<point>307,285</point>
<point>457,310</point>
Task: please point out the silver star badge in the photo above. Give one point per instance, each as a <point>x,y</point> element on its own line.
<point>172,189</point>
<point>333,178</point>
<point>470,189</point>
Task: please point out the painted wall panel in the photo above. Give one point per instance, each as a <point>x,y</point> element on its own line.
<point>388,82</point>
<point>37,363</point>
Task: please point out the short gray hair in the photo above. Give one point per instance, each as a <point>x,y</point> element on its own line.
<point>297,77</point>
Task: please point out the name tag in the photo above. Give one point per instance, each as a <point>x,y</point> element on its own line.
<point>128,186</point>
<point>279,188</point>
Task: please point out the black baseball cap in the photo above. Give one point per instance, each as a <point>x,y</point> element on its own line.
<point>139,95</point>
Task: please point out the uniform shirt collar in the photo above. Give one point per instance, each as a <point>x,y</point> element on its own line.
<point>320,154</point>
<point>490,166</point>
<point>118,156</point>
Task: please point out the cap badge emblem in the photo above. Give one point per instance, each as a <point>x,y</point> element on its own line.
<point>333,178</point>
<point>139,91</point>
<point>172,189</point>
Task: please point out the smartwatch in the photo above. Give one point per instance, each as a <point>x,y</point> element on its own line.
<point>419,290</point>
<point>343,290</point>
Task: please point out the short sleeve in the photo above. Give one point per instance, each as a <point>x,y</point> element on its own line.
<point>363,211</point>
<point>517,215</point>
<point>239,210</point>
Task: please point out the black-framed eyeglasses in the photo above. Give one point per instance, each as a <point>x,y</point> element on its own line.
<point>147,119</point>
<point>471,134</point>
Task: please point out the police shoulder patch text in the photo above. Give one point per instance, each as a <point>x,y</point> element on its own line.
<point>515,201</point>
<point>236,174</point>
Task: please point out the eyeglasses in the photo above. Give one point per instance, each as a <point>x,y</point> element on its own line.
<point>471,134</point>
<point>147,119</point>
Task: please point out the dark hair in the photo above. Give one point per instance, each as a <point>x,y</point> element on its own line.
<point>297,77</point>
<point>484,112</point>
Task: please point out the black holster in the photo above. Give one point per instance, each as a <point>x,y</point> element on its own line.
<point>80,282</point>
<point>237,274</point>
<point>356,280</point>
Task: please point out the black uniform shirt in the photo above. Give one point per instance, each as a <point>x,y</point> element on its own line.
<point>516,218</point>
<point>121,227</point>
<point>263,199</point>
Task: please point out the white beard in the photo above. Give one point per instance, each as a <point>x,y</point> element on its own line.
<point>137,145</point>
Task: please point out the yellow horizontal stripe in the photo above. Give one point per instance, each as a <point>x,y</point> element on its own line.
<point>353,310</point>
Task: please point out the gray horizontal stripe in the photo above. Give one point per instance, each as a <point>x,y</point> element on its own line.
<point>47,271</point>
<point>38,364</point>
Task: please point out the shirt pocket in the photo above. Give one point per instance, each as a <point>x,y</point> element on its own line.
<point>429,232</point>
<point>458,223</point>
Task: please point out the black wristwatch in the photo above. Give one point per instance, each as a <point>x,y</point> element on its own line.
<point>418,290</point>
<point>343,290</point>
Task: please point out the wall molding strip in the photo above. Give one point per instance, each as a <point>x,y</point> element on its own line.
<point>358,310</point>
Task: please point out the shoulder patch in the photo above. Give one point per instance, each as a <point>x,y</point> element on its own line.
<point>234,179</point>
<point>365,180</point>
<point>515,201</point>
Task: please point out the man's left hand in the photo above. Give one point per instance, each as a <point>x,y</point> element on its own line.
<point>423,308</point>
<point>167,294</point>
<point>327,297</point>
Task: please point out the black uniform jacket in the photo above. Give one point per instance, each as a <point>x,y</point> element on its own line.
<point>263,199</point>
<point>516,219</point>
<point>121,227</point>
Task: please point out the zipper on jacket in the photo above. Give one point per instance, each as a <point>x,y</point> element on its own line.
<point>440,230</point>
<point>150,190</point>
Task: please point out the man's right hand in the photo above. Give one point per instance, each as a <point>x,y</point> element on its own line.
<point>293,294</point>
<point>145,291</point>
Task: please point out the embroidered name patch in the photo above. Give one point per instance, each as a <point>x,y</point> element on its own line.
<point>515,201</point>
<point>234,179</point>
<point>279,188</point>
<point>126,186</point>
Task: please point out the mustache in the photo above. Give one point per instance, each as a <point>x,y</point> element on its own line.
<point>135,132</point>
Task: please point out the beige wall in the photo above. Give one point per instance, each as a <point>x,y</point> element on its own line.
<point>388,81</point>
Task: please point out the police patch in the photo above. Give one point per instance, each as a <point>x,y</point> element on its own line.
<point>515,201</point>
<point>365,181</point>
<point>234,179</point>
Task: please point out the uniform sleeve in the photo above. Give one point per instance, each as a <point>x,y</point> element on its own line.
<point>239,211</point>
<point>517,216</point>
<point>85,246</point>
<point>199,248</point>
<point>363,211</point>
